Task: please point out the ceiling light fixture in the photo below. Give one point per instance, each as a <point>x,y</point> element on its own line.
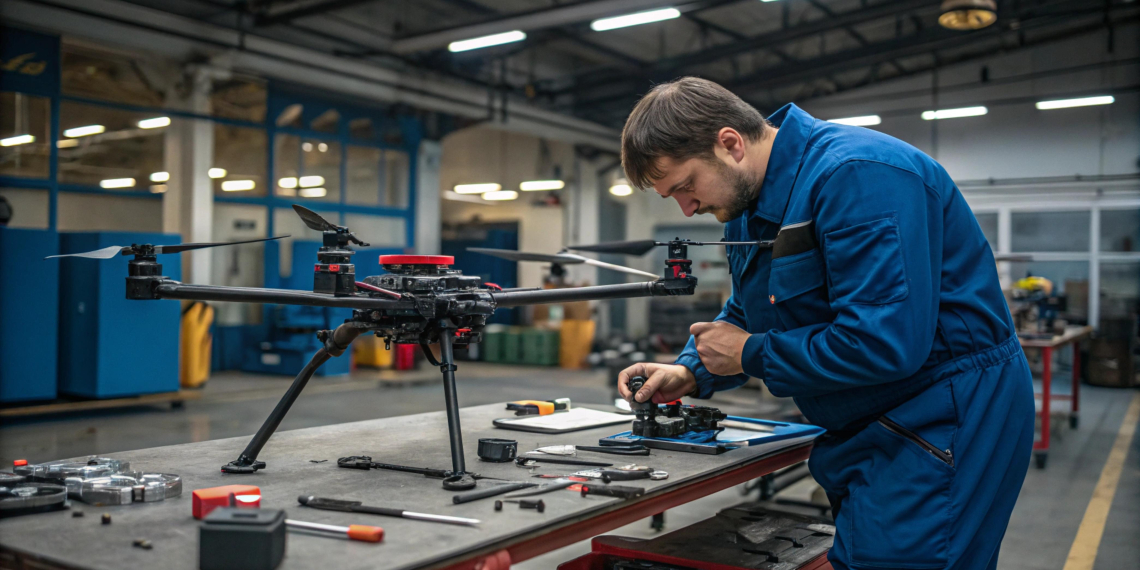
<point>860,121</point>
<point>635,19</point>
<point>1080,102</point>
<point>954,113</point>
<point>158,189</point>
<point>66,143</point>
<point>477,188</point>
<point>288,182</point>
<point>322,147</point>
<point>238,185</point>
<point>216,173</point>
<point>500,195</point>
<point>309,181</point>
<point>17,140</point>
<point>621,190</point>
<point>487,41</point>
<point>536,185</point>
<point>967,15</point>
<point>307,146</point>
<point>159,176</point>
<point>154,123</point>
<point>313,192</point>
<point>84,131</point>
<point>117,183</point>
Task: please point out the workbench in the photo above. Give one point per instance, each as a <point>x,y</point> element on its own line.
<point>58,539</point>
<point>1073,335</point>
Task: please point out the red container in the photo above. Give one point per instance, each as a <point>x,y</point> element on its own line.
<point>406,356</point>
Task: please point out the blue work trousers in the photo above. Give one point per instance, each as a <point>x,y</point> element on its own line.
<point>932,483</point>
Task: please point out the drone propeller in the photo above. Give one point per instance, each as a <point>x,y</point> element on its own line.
<point>561,258</point>
<point>314,220</point>
<point>643,246</point>
<point>116,250</point>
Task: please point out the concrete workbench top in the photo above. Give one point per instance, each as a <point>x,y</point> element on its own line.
<point>418,440</point>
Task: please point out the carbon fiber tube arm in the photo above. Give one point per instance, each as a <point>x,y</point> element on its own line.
<point>168,289</point>
<point>595,293</point>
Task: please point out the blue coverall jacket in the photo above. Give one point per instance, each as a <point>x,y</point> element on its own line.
<point>879,311</point>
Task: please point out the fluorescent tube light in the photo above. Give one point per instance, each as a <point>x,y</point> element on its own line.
<point>313,192</point>
<point>159,176</point>
<point>216,173</point>
<point>66,143</point>
<point>635,19</point>
<point>1081,102</point>
<point>535,185</point>
<point>861,121</point>
<point>500,195</point>
<point>310,181</point>
<point>117,183</point>
<point>487,41</point>
<point>154,123</point>
<point>288,182</point>
<point>954,113</point>
<point>158,189</point>
<point>17,140</point>
<point>477,188</point>
<point>84,131</point>
<point>238,185</point>
<point>621,190</point>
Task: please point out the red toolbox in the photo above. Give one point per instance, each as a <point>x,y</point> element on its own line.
<point>738,538</point>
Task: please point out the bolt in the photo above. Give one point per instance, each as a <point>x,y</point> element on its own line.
<point>143,543</point>
<point>106,518</point>
<point>76,514</point>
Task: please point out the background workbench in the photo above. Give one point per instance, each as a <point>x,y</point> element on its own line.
<point>419,440</point>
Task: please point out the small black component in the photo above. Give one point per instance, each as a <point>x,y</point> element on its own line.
<point>671,420</point>
<point>497,450</point>
<point>318,460</point>
<point>459,482</point>
<point>142,543</point>
<point>76,514</point>
<point>236,538</point>
<point>536,505</point>
<point>498,505</point>
<point>106,518</point>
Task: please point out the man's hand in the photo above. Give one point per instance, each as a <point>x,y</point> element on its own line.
<point>720,346</point>
<point>664,382</point>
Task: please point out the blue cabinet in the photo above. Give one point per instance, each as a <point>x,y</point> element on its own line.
<point>29,314</point>
<point>110,346</point>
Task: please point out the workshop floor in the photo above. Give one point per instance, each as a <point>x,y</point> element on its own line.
<point>1050,510</point>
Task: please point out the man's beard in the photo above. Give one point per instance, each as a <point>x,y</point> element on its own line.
<point>745,189</point>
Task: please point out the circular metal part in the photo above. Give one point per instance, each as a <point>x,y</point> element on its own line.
<point>658,475</point>
<point>10,479</point>
<point>24,498</point>
<point>459,482</point>
<point>497,450</point>
<point>417,260</point>
<point>967,15</point>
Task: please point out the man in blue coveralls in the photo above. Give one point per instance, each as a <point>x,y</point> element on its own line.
<point>878,310</point>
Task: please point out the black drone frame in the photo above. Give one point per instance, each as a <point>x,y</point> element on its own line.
<point>423,303</point>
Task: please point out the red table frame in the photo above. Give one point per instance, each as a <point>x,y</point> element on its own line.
<point>525,547</point>
<point>1073,336</point>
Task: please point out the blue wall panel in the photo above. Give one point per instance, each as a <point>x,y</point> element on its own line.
<point>29,314</point>
<point>111,346</point>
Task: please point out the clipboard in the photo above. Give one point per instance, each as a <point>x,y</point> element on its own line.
<point>574,419</point>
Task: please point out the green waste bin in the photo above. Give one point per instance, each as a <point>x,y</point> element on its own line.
<point>540,347</point>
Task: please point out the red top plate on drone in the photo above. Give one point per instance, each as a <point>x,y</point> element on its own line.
<point>417,260</point>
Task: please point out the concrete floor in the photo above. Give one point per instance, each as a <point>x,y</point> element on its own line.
<point>1049,510</point>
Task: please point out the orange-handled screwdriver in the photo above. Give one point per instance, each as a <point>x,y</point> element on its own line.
<point>360,532</point>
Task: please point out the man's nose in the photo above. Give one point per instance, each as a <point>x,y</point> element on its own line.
<point>688,205</point>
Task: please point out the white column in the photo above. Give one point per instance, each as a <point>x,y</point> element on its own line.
<point>583,222</point>
<point>427,198</point>
<point>1094,268</point>
<point>188,205</point>
<point>1005,240</point>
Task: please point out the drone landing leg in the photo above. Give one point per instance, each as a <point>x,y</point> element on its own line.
<point>460,479</point>
<point>247,462</point>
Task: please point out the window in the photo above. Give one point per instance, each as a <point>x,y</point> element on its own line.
<point>378,231</point>
<point>1119,288</point>
<point>989,223</point>
<point>107,148</point>
<point>240,152</point>
<point>1120,230</point>
<point>96,74</point>
<point>25,140</point>
<point>240,98</point>
<point>291,116</point>
<point>286,164</point>
<point>396,176</point>
<point>361,128</point>
<point>320,167</point>
<point>238,265</point>
<point>286,222</point>
<point>363,184</point>
<point>103,213</point>
<point>1050,231</point>
<point>326,122</point>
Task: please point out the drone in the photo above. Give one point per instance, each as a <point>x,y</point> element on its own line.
<point>419,300</point>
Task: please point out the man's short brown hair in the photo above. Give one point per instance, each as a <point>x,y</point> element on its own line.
<point>680,120</point>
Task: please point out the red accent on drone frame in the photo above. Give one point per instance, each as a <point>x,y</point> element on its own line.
<point>417,260</point>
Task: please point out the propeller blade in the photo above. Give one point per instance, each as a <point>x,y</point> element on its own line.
<point>179,248</point>
<point>635,247</point>
<point>621,268</point>
<point>761,243</point>
<point>527,256</point>
<point>313,219</point>
<point>105,253</point>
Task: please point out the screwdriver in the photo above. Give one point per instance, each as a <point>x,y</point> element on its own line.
<point>359,532</point>
<point>359,507</point>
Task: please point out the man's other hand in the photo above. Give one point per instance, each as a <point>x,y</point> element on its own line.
<point>720,346</point>
<point>663,382</point>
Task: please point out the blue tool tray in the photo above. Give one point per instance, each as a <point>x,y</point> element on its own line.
<point>719,441</point>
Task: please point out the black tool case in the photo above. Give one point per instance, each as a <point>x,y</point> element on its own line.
<point>237,538</point>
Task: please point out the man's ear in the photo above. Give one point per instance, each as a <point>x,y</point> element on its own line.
<point>732,142</point>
